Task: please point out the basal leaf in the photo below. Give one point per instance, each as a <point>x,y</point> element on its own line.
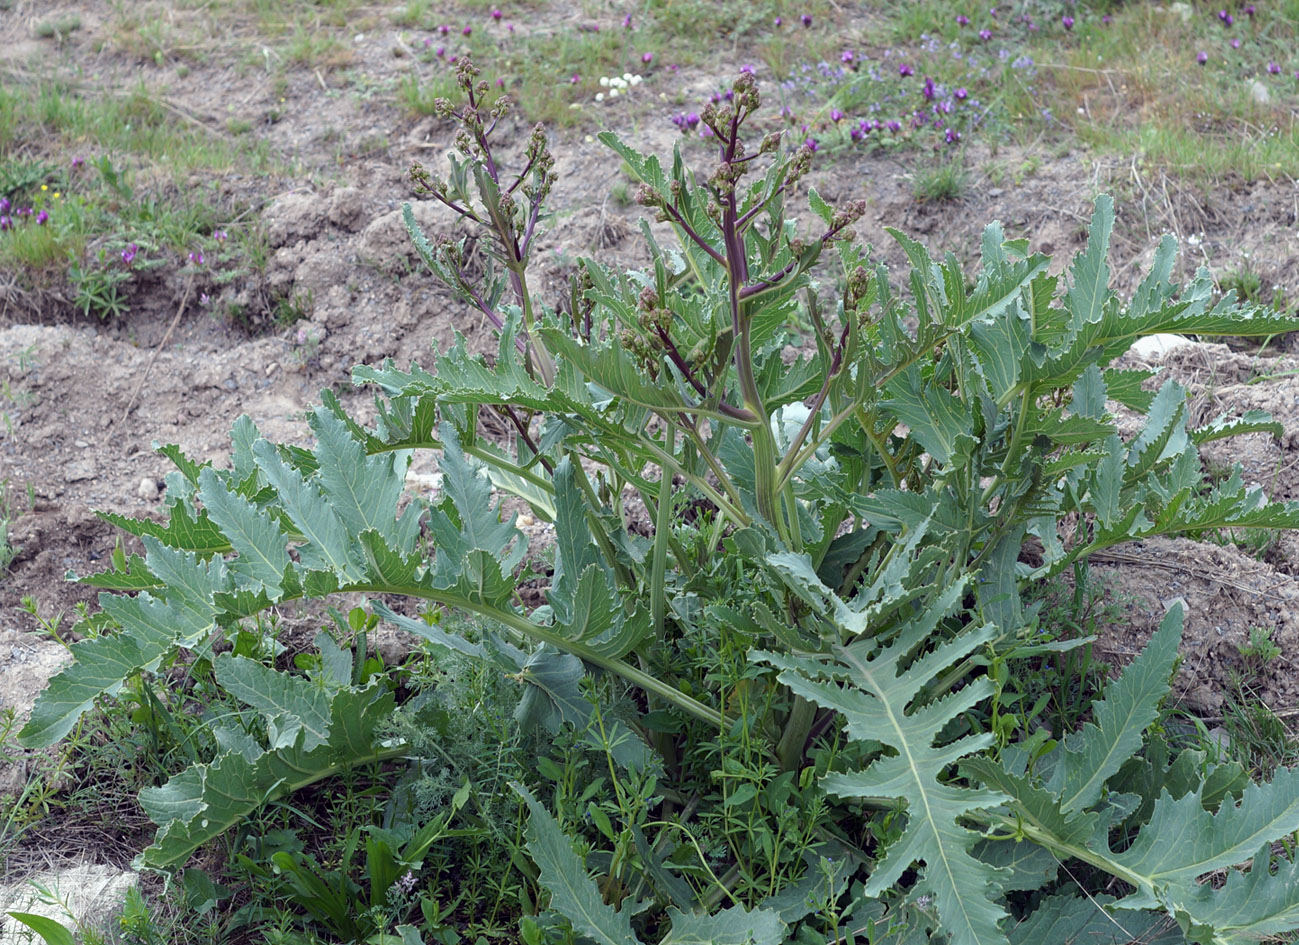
<point>294,707</point>
<point>205,800</point>
<point>1131,704</point>
<point>100,666</point>
<point>431,632</point>
<point>572,893</point>
<point>327,543</point>
<point>1252,421</point>
<point>733,926</point>
<point>1183,841</point>
<point>1249,907</point>
<point>1090,272</point>
<point>363,490</point>
<point>936,418</point>
<point>878,702</point>
<point>254,535</point>
<point>1084,920</point>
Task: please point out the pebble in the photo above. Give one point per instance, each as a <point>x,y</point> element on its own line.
<point>230,384</point>
<point>148,489</point>
<point>1259,93</point>
<point>80,444</point>
<point>80,470</point>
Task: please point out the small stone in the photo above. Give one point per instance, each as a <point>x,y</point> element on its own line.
<point>147,489</point>
<point>80,470</point>
<point>230,384</point>
<point>526,520</point>
<point>80,444</point>
<point>995,192</point>
<point>1259,93</point>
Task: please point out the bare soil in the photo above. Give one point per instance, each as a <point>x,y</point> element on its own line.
<point>86,400</point>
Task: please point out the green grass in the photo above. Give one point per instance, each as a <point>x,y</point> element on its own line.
<point>941,183</point>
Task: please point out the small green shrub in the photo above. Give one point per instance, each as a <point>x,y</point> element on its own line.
<point>786,673</point>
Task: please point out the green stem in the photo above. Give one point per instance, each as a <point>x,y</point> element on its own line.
<point>662,530</point>
<point>526,628</point>
<point>790,747</point>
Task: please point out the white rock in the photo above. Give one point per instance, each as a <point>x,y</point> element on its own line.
<point>147,489</point>
<point>1258,92</point>
<point>90,892</point>
<point>1155,346</point>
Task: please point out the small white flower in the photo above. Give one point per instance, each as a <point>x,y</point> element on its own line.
<point>599,96</point>
<point>626,76</point>
<point>604,80</point>
<point>637,79</point>
<point>613,93</point>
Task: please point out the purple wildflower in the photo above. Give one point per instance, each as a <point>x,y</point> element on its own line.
<point>1249,10</point>
<point>4,204</point>
<point>467,30</point>
<point>836,116</point>
<point>806,19</point>
<point>128,254</point>
<point>962,20</point>
<point>1226,18</point>
<point>1067,22</point>
<point>1235,44</point>
<point>847,56</point>
<point>1106,19</point>
<point>221,236</point>
<point>1273,68</point>
<point>6,223</point>
<point>951,135</point>
<point>779,21</point>
<point>647,58</point>
<point>43,217</point>
<point>905,70</point>
<point>196,257</point>
<point>77,162</point>
<point>204,299</point>
<point>855,134</point>
<point>747,69</point>
<point>811,144</point>
<point>1202,57</point>
<point>928,90</point>
<point>985,35</point>
<point>496,13</point>
<point>444,29</point>
<point>894,126</point>
<point>961,94</point>
<point>574,79</point>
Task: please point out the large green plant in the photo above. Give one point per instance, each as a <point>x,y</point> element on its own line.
<point>852,512</point>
